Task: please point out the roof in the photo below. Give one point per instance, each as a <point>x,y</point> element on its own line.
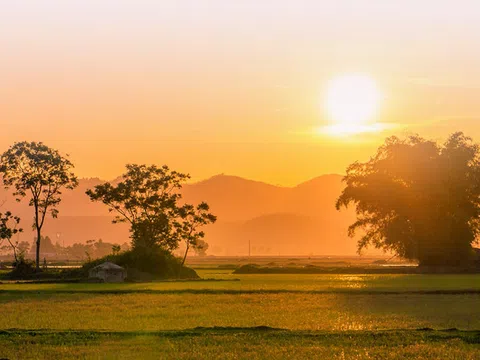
<point>108,266</point>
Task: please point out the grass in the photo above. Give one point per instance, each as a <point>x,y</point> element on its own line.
<point>136,312</point>
<point>320,316</point>
<point>277,282</point>
<point>241,343</point>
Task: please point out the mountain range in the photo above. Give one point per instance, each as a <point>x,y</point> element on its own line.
<point>270,219</point>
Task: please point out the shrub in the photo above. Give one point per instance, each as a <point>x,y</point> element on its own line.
<point>147,264</point>
<point>22,269</point>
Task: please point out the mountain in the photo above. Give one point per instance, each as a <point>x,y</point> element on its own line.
<point>298,220</point>
<point>276,220</point>
<point>238,199</point>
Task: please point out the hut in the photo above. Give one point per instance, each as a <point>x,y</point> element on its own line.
<point>108,272</point>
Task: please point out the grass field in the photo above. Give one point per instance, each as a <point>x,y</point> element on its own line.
<point>226,281</point>
<point>241,344</point>
<point>246,316</point>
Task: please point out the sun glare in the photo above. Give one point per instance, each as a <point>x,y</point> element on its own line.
<point>352,102</point>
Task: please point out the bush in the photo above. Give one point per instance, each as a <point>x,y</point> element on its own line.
<point>146,265</point>
<point>22,269</point>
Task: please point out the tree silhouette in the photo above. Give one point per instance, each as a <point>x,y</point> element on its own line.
<point>201,248</point>
<point>148,198</point>
<point>38,171</point>
<point>417,198</point>
<point>8,228</point>
<point>187,227</point>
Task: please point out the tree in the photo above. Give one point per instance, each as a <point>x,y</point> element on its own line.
<point>78,251</point>
<point>40,172</point>
<point>148,198</point>
<point>116,249</point>
<point>23,247</point>
<point>8,228</point>
<point>47,245</point>
<point>418,199</point>
<point>190,220</point>
<point>59,250</point>
<point>101,248</point>
<point>201,248</point>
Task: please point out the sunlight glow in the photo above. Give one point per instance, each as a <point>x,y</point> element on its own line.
<point>351,102</point>
<point>352,129</point>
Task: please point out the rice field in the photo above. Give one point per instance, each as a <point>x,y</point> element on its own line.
<point>241,344</point>
<point>246,316</point>
<point>224,281</point>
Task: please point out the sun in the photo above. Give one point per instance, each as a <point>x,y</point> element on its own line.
<point>352,102</point>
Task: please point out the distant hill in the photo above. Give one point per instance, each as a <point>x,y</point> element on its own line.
<point>238,199</point>
<point>277,220</point>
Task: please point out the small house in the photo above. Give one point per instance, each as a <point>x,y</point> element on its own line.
<point>108,272</point>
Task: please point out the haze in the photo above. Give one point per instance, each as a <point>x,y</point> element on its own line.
<point>240,179</point>
<point>230,87</point>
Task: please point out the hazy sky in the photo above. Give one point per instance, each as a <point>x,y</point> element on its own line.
<point>232,87</point>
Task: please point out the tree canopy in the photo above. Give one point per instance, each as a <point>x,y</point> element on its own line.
<point>40,172</point>
<point>8,228</point>
<point>187,227</point>
<point>418,199</point>
<point>148,198</point>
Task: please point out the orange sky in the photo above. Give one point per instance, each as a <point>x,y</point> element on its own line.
<point>230,87</point>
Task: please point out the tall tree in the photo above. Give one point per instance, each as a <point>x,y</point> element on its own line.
<point>418,199</point>
<point>147,197</point>
<point>40,173</point>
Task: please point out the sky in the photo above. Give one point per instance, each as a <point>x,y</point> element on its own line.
<point>234,87</point>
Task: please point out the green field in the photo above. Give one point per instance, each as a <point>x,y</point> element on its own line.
<point>246,316</point>
<point>241,344</point>
<point>226,281</point>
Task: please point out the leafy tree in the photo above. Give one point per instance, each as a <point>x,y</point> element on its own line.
<point>116,249</point>
<point>187,226</point>
<point>201,248</point>
<point>23,247</point>
<point>8,228</point>
<point>47,245</point>
<point>59,250</point>
<point>148,198</point>
<point>78,251</point>
<point>418,199</point>
<point>101,248</point>
<point>41,173</point>
<point>125,247</point>
<point>89,249</point>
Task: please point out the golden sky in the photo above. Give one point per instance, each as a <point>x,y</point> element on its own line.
<point>233,87</point>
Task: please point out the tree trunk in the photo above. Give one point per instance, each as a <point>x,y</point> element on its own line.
<point>185,256</point>
<point>37,255</point>
<point>15,255</point>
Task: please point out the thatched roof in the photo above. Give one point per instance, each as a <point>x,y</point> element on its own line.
<point>108,266</point>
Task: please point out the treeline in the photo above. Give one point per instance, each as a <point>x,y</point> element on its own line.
<point>90,250</point>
